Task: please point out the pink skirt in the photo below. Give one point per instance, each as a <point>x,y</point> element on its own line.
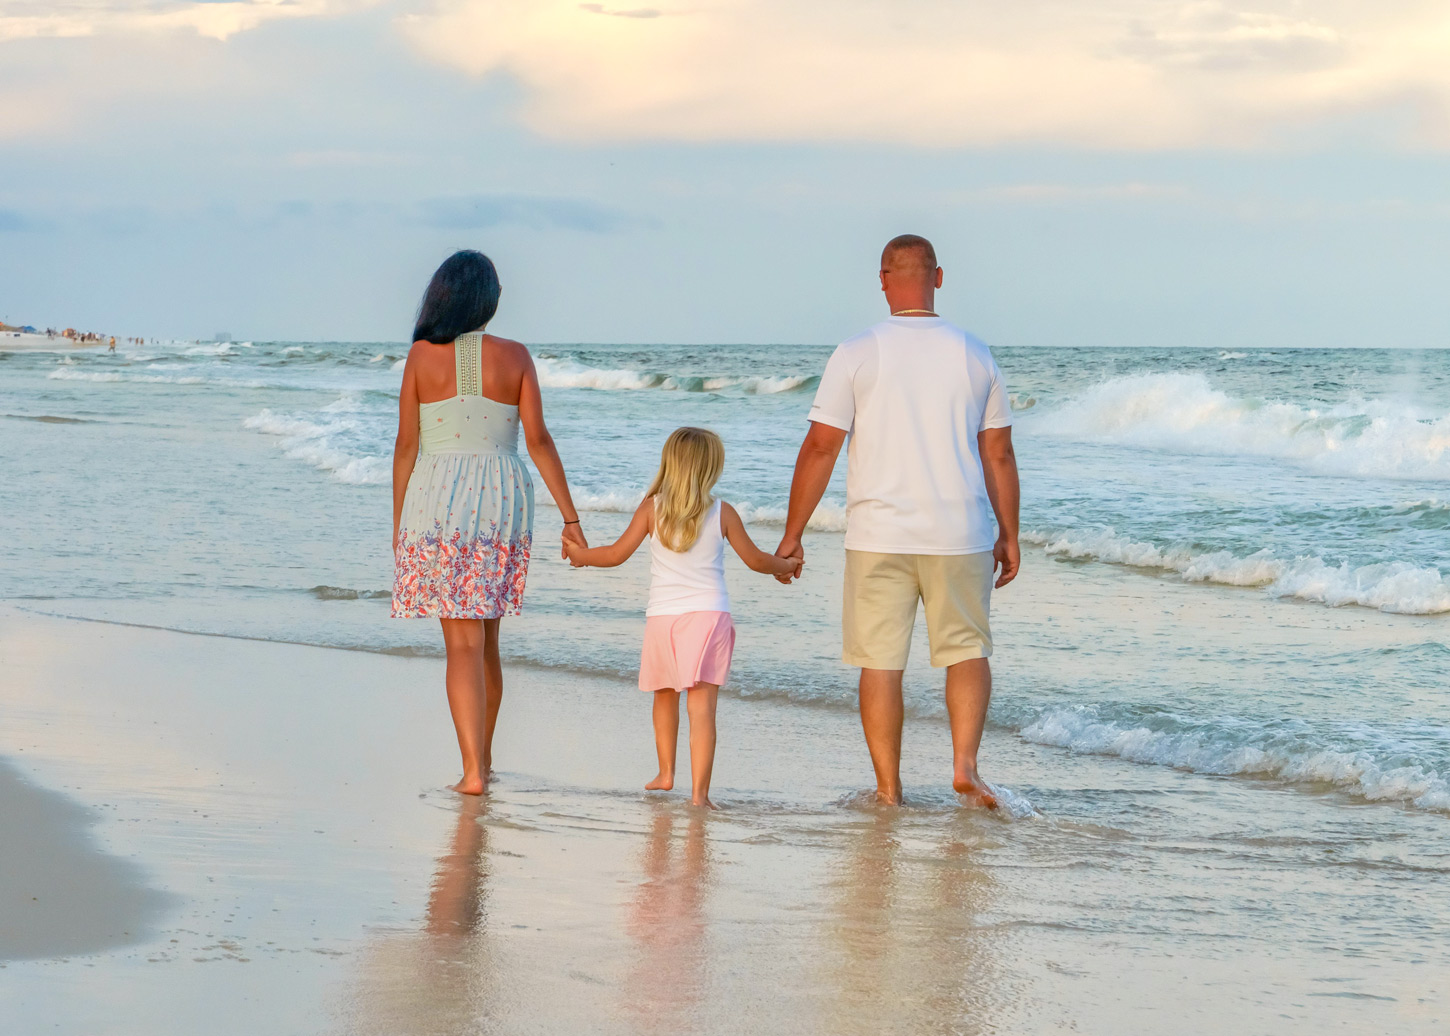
<point>683,650</point>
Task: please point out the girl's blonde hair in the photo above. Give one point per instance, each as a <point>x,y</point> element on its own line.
<point>690,465</point>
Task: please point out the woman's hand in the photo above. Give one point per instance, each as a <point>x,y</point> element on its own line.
<point>572,536</point>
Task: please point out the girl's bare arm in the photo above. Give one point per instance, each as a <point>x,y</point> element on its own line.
<point>755,559</point>
<point>620,551</point>
<point>405,448</point>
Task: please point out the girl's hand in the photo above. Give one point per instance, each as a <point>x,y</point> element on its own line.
<point>790,549</point>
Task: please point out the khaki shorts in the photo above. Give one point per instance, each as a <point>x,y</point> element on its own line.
<point>880,607</point>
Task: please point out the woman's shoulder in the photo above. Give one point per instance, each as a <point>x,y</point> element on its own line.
<point>424,351</point>
<point>506,345</point>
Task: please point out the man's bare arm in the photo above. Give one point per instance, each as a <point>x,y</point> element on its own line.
<point>813,467</point>
<point>999,468</point>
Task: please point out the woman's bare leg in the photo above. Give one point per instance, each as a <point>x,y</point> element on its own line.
<point>667,736</point>
<point>464,641</point>
<point>701,706</point>
<point>493,691</point>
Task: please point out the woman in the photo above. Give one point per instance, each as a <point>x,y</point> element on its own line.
<point>463,503</point>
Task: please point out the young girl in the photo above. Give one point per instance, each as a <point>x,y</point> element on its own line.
<point>688,635</point>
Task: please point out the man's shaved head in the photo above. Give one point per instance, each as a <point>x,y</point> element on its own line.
<point>908,252</point>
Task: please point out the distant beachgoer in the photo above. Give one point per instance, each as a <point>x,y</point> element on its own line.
<point>689,636</point>
<point>112,347</point>
<point>930,461</point>
<point>463,502</point>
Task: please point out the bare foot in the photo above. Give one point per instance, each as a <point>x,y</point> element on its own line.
<point>664,782</point>
<point>703,800</point>
<point>974,790</point>
<point>888,797</point>
<point>471,786</point>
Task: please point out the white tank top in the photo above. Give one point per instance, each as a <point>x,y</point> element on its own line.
<point>691,580</point>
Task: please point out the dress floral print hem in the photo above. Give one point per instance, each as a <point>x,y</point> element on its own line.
<point>449,577</point>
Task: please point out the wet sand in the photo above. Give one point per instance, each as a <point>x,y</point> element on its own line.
<point>291,800</point>
<point>60,894</point>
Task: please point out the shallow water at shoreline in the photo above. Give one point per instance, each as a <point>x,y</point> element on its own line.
<point>1225,662</point>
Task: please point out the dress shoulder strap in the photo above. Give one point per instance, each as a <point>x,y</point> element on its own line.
<point>467,363</point>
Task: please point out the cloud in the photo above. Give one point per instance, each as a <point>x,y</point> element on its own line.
<point>29,19</point>
<point>1056,193</point>
<point>638,12</point>
<point>1113,74</point>
<point>475,212</point>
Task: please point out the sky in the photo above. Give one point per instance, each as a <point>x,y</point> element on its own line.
<point>1121,172</point>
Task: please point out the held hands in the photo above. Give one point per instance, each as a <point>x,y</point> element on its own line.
<point>572,543</point>
<point>791,550</point>
<point>1007,556</point>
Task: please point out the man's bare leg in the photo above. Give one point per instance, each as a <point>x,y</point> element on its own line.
<point>881,718</point>
<point>969,691</point>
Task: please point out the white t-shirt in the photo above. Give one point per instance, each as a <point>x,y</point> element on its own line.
<point>914,392</point>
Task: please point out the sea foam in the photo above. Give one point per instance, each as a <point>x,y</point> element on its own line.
<point>110,377</point>
<point>1396,586</point>
<point>1372,765</point>
<point>829,516</point>
<point>314,442</point>
<point>562,372</point>
<point>1185,413</point>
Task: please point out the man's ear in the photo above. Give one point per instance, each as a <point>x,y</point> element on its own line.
<point>938,276</point>
<point>882,276</point>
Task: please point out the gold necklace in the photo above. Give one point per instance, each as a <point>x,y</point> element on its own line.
<point>903,312</point>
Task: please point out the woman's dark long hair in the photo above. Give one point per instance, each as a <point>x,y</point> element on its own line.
<point>461,297</point>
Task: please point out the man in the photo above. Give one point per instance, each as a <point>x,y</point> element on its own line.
<point>931,449</point>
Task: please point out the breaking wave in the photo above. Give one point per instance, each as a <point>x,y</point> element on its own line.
<point>1374,765</point>
<point>566,373</point>
<point>830,515</point>
<point>1395,586</point>
<point>324,442</point>
<point>1183,412</point>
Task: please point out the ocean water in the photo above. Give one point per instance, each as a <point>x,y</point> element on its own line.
<point>242,489</point>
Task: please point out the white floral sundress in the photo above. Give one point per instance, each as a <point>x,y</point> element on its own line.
<point>468,515</point>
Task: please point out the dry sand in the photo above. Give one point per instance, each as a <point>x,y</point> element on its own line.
<point>290,800</point>
<point>19,342</point>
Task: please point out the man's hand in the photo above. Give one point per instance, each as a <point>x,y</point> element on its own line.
<point>790,547</point>
<point>1007,556</point>
<point>572,536</point>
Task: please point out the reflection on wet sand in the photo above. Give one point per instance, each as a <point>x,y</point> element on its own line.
<point>909,956</point>
<point>439,981</point>
<point>666,921</point>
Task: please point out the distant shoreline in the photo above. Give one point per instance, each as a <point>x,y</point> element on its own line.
<point>21,342</point>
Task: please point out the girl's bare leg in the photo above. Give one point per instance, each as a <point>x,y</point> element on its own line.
<point>701,706</point>
<point>492,689</point>
<point>464,641</point>
<point>667,735</point>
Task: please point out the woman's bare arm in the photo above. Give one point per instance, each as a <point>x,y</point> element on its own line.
<point>405,447</point>
<point>622,549</point>
<point>755,559</point>
<point>545,454</point>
